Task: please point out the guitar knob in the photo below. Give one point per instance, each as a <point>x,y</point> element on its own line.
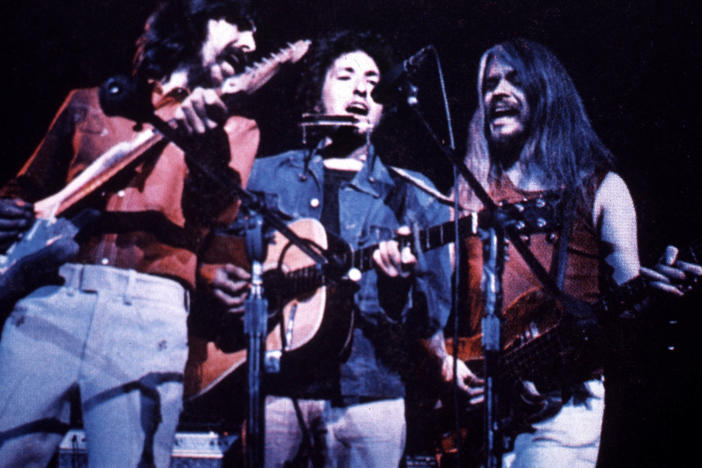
<point>540,202</point>
<point>519,207</point>
<point>519,225</point>
<point>541,223</point>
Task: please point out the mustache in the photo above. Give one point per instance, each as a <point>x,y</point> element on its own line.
<point>503,107</point>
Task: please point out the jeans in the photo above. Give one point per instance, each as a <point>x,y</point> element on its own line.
<point>116,336</point>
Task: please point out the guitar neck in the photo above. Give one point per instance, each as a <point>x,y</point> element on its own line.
<point>122,154</point>
<point>427,239</point>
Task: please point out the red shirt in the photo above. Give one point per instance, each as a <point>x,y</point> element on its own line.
<point>151,221</point>
<point>582,275</point>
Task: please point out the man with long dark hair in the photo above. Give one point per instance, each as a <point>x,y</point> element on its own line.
<point>530,136</point>
<point>350,411</point>
<point>111,327</point>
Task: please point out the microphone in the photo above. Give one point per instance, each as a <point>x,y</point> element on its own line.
<point>126,96</point>
<point>393,81</point>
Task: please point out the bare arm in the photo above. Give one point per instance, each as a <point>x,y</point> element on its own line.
<point>615,217</point>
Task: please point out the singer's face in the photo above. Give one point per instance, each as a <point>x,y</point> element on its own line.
<point>221,52</point>
<point>347,87</point>
<point>506,107</point>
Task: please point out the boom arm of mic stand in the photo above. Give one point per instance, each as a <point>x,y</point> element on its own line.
<point>248,199</point>
<point>514,237</point>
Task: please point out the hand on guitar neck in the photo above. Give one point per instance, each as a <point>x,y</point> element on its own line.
<point>393,260</point>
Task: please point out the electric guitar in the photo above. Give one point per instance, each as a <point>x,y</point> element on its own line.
<point>48,228</point>
<point>310,305</point>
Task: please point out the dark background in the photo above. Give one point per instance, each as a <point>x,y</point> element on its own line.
<point>637,65</point>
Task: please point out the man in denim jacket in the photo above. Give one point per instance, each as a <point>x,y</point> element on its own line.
<point>351,413</point>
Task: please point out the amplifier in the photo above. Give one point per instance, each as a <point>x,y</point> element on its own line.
<point>190,450</point>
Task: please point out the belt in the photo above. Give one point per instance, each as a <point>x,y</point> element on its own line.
<point>123,282</point>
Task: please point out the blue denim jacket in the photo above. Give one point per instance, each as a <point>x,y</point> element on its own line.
<point>371,207</point>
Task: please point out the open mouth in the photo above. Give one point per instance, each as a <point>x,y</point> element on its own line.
<point>358,108</point>
<point>503,109</point>
<point>234,57</point>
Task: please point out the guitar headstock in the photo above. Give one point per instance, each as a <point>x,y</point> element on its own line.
<point>527,217</point>
<point>258,74</point>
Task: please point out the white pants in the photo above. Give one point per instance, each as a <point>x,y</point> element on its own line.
<point>116,335</point>
<point>570,439</point>
<point>362,435</point>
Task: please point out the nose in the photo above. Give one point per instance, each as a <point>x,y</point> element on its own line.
<point>502,88</point>
<point>362,88</point>
<point>246,41</point>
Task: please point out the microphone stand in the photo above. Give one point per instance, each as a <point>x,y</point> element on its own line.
<point>127,99</point>
<point>494,248</point>
<point>256,328</point>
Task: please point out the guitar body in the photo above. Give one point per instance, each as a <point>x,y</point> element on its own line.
<point>314,326</point>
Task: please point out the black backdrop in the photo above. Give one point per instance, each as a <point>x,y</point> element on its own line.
<point>637,65</point>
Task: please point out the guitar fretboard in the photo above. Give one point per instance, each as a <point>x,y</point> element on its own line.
<point>427,239</point>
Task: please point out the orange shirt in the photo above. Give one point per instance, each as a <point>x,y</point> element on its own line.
<point>150,220</point>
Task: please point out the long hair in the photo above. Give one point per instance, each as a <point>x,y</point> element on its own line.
<point>560,142</point>
<point>175,32</point>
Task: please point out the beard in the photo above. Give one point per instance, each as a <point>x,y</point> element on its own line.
<point>505,150</point>
<point>199,75</point>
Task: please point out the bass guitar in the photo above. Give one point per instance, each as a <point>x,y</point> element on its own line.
<point>551,346</point>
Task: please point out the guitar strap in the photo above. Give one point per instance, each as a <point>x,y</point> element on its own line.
<point>559,261</point>
<point>421,185</point>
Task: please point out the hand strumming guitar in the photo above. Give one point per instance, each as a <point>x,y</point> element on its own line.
<point>230,286</point>
<point>467,381</point>
<point>231,283</point>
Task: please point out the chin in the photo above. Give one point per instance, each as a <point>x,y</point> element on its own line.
<point>506,134</point>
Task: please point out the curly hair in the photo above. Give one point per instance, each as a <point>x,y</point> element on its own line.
<point>326,50</point>
<point>561,139</point>
<point>174,33</point>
